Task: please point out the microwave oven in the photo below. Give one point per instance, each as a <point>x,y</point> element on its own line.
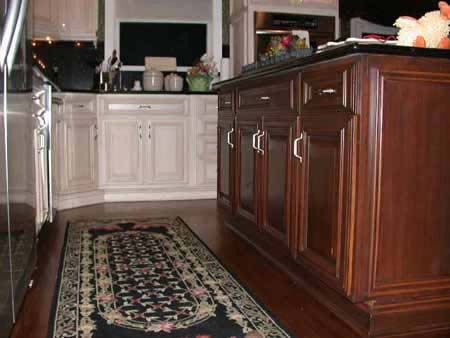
<point>321,28</point>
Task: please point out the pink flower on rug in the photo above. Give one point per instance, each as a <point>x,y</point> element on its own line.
<point>199,291</point>
<point>112,227</point>
<point>166,327</point>
<point>103,297</point>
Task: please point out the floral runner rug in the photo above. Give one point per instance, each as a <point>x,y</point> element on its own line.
<point>149,277</point>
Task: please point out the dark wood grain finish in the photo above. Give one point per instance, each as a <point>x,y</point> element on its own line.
<point>247,178</point>
<point>368,230</point>
<point>325,228</point>
<point>276,177</point>
<point>225,158</point>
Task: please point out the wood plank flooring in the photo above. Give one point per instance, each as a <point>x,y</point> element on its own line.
<point>298,311</point>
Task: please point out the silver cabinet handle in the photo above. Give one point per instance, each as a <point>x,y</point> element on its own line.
<point>298,139</point>
<point>140,130</point>
<point>229,138</point>
<point>79,105</point>
<point>264,98</point>
<point>145,106</point>
<point>149,131</point>
<point>96,132</point>
<point>254,139</point>
<point>329,91</point>
<point>227,103</point>
<point>260,150</point>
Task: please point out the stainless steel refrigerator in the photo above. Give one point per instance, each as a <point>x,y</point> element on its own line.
<point>24,156</point>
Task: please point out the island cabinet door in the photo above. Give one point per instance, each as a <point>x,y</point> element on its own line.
<point>225,162</point>
<point>122,151</point>
<point>247,157</point>
<point>276,177</point>
<point>323,229</point>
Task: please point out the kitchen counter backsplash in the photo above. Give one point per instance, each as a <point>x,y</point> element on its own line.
<point>70,64</point>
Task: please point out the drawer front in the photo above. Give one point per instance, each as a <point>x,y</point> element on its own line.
<point>327,89</point>
<point>178,105</point>
<point>226,102</point>
<point>277,96</point>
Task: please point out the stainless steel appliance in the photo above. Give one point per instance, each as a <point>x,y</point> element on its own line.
<point>321,28</point>
<point>24,173</point>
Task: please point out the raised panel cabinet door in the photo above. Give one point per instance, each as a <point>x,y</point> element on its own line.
<point>166,152</point>
<point>79,155</point>
<point>225,162</point>
<point>247,158</point>
<point>324,233</point>
<point>78,19</point>
<point>276,178</point>
<point>122,149</point>
<point>46,18</point>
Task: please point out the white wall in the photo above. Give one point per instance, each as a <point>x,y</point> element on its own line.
<point>171,10</point>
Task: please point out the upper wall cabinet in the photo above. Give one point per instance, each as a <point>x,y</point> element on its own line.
<point>65,19</point>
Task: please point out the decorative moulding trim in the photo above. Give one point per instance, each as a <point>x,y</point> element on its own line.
<point>79,200</point>
<point>158,196</point>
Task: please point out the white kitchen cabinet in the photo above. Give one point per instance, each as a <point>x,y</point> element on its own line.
<point>151,144</point>
<point>65,19</point>
<point>79,158</point>
<point>167,151</point>
<point>76,150</point>
<point>122,150</point>
<point>205,108</point>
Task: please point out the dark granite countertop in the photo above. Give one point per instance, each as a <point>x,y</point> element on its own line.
<point>339,51</point>
<point>92,91</point>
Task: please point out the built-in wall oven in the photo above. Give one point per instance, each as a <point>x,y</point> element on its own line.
<point>321,29</point>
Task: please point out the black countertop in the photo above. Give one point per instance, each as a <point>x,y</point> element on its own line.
<point>140,92</point>
<point>339,51</point>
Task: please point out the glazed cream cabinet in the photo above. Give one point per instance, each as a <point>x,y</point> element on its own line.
<point>65,19</point>
<point>157,146</point>
<point>76,150</point>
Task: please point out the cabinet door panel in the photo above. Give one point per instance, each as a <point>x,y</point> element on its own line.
<point>246,185</point>
<point>325,230</point>
<point>80,157</point>
<point>122,151</point>
<point>166,152</point>
<point>276,178</point>
<point>225,163</point>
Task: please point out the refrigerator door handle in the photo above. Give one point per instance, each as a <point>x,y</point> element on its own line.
<point>8,32</point>
<point>15,42</point>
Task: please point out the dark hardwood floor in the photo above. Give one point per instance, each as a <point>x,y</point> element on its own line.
<point>298,311</point>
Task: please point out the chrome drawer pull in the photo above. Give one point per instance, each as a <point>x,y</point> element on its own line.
<point>229,138</point>
<point>260,150</point>
<point>254,139</point>
<point>79,105</point>
<point>227,103</point>
<point>145,106</point>
<point>329,91</point>
<point>298,139</point>
<point>264,98</point>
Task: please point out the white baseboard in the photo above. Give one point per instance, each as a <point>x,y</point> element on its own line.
<point>76,200</point>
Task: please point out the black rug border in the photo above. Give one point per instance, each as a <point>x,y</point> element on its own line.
<point>53,309</point>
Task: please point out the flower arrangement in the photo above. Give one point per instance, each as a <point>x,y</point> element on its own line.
<point>283,46</point>
<point>199,77</point>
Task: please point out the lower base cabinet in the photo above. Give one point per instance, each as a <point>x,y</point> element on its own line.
<point>343,183</point>
<point>125,147</point>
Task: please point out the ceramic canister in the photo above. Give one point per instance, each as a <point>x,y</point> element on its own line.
<point>153,80</point>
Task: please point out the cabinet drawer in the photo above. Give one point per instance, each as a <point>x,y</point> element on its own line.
<point>178,105</point>
<point>226,102</point>
<point>327,89</point>
<point>276,96</point>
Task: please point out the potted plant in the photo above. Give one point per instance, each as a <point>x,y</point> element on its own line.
<point>199,77</point>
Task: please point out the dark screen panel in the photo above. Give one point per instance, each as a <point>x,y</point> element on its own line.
<point>185,41</point>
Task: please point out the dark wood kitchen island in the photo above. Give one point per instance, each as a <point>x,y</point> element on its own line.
<point>337,167</point>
